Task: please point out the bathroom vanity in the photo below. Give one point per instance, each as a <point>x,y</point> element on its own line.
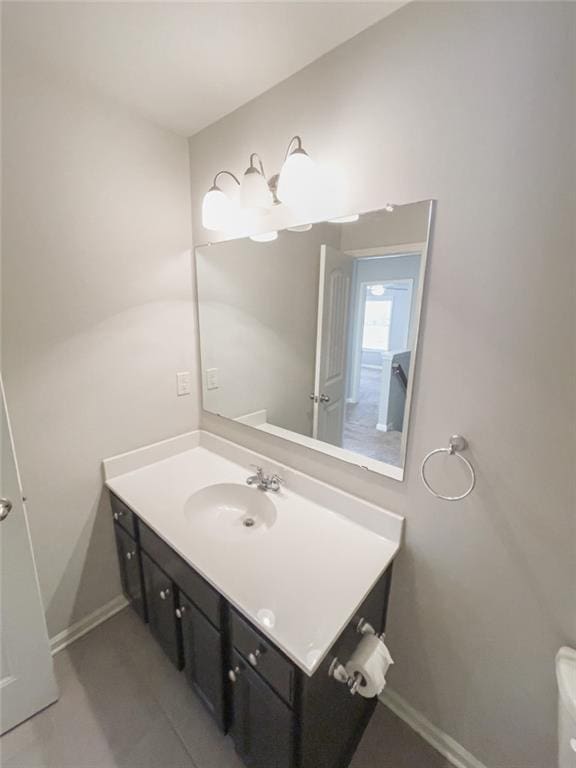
<point>253,594</point>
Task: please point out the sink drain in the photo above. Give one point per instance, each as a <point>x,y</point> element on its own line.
<point>248,522</point>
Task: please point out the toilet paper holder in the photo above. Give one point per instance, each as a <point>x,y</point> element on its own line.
<point>364,627</point>
<point>337,670</point>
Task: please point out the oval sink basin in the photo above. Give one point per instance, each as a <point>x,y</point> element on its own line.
<point>229,509</point>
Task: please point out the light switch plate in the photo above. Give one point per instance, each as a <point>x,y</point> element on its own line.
<point>183,383</point>
<point>212,378</point>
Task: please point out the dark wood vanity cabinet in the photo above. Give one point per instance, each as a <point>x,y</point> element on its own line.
<point>277,716</point>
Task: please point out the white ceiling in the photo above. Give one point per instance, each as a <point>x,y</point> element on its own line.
<point>182,65</point>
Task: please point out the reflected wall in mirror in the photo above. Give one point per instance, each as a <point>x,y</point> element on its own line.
<point>312,337</point>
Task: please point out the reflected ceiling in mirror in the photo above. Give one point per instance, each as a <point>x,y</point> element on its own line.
<point>312,337</point>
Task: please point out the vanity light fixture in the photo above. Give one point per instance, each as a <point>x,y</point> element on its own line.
<point>294,185</point>
<point>217,207</point>
<point>255,193</point>
<point>265,237</point>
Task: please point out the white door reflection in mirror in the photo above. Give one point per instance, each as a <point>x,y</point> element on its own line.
<point>331,345</point>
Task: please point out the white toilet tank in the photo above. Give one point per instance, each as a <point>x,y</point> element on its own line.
<point>566,676</point>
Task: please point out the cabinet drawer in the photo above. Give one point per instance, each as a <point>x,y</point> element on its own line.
<point>185,577</point>
<point>124,516</point>
<point>263,657</point>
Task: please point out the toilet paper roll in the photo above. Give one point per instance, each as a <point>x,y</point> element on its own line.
<point>371,659</point>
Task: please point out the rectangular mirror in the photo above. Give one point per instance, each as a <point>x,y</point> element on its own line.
<point>312,337</point>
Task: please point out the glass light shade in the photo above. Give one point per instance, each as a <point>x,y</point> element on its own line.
<point>300,228</point>
<point>216,210</point>
<point>265,237</point>
<point>254,191</point>
<point>297,178</point>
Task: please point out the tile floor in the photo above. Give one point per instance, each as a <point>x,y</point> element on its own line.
<point>123,705</point>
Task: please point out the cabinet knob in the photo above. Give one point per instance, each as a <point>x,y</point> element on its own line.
<point>233,674</point>
<point>164,593</point>
<point>130,555</point>
<point>253,657</point>
<point>180,611</point>
<point>118,515</point>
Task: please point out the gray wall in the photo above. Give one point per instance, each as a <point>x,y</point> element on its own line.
<point>97,314</point>
<point>472,104</point>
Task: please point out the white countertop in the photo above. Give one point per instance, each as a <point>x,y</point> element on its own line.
<point>301,580</point>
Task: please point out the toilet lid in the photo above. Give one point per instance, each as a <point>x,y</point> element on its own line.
<point>566,676</point>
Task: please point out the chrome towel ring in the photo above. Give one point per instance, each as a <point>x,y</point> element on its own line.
<point>457,443</point>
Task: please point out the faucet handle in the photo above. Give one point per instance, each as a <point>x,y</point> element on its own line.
<point>257,478</point>
<point>274,482</point>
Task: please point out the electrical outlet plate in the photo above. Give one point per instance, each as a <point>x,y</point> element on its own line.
<point>183,383</point>
<point>212,378</point>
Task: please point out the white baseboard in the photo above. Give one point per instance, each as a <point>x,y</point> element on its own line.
<point>75,631</point>
<point>449,748</point>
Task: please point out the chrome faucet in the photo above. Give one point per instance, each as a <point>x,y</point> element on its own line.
<point>263,481</point>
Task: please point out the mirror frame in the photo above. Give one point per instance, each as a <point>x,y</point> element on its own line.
<point>366,463</point>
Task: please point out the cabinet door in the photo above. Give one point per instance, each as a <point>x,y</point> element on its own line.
<point>161,610</point>
<point>262,725</point>
<point>130,570</point>
<point>203,662</point>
